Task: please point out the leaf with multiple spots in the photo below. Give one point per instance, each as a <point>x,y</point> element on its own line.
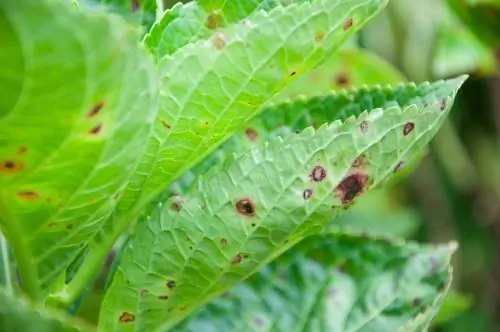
<point>18,314</point>
<point>336,283</point>
<point>77,102</point>
<point>259,204</point>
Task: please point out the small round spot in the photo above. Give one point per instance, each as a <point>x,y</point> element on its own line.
<point>408,128</point>
<point>223,242</point>
<point>126,317</point>
<point>252,134</point>
<point>318,173</point>
<point>95,109</point>
<point>237,259</point>
<point>319,36</point>
<point>177,203</point>
<point>163,297</point>
<point>10,167</point>
<point>416,302</point>
<point>171,284</point>
<point>307,194</point>
<point>253,224</point>
<point>22,150</point>
<point>342,79</point>
<point>348,24</point>
<point>246,207</point>
<point>96,130</point>
<point>364,127</point>
<point>214,20</point>
<point>144,292</point>
<point>28,195</point>
<point>219,41</point>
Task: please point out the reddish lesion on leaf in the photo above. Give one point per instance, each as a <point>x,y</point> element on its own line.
<point>352,186</point>
<point>28,195</point>
<point>96,130</point>
<point>10,167</point>
<point>126,317</point>
<point>318,173</point>
<point>408,128</point>
<point>96,109</point>
<point>348,24</point>
<point>237,259</point>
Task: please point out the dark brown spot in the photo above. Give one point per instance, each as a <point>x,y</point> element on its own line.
<point>252,134</point>
<point>342,79</point>
<point>237,259</point>
<point>363,126</point>
<point>126,317</point>
<point>223,242</point>
<point>116,195</point>
<point>144,292</point>
<point>171,284</point>
<point>399,166</point>
<point>165,124</point>
<point>22,150</point>
<point>95,109</point>
<point>408,128</point>
<point>246,207</point>
<point>96,129</point>
<point>292,73</point>
<point>28,195</point>
<point>307,194</point>
<point>319,36</point>
<point>359,161</point>
<point>214,20</point>
<point>10,167</point>
<point>443,105</point>
<point>351,186</point>
<point>219,41</point>
<point>177,203</point>
<point>348,24</point>
<point>318,173</point>
<point>163,297</point>
<point>417,302</point>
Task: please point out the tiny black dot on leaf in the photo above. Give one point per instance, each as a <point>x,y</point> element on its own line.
<point>171,284</point>
<point>318,173</point>
<point>443,105</point>
<point>245,207</point>
<point>292,73</point>
<point>417,302</point>
<point>408,128</point>
<point>254,224</point>
<point>348,24</point>
<point>165,124</point>
<point>126,317</point>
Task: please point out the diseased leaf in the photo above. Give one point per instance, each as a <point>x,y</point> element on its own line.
<point>18,314</point>
<point>189,250</point>
<point>334,283</point>
<point>75,110</point>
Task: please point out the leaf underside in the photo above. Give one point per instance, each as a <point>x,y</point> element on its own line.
<point>188,251</point>
<point>335,283</point>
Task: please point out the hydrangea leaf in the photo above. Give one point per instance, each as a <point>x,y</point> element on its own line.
<point>18,314</point>
<point>337,283</point>
<point>77,103</point>
<point>188,251</point>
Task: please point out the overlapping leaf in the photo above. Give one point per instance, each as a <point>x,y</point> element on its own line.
<point>18,314</point>
<point>78,98</point>
<point>186,252</point>
<point>335,283</point>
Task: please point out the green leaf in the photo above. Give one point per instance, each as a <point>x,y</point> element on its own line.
<point>188,251</point>
<point>18,314</point>
<point>77,100</point>
<point>334,283</point>
<point>453,305</point>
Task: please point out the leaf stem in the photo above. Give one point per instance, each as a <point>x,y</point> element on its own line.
<point>160,8</point>
<point>6,264</point>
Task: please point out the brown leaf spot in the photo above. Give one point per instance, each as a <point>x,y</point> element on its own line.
<point>165,124</point>
<point>237,259</point>
<point>223,242</point>
<point>28,195</point>
<point>22,150</point>
<point>163,297</point>
<point>219,41</point>
<point>408,128</point>
<point>342,79</point>
<point>126,317</point>
<point>116,195</point>
<point>214,20</point>
<point>171,284</point>
<point>292,73</point>
<point>252,134</point>
<point>348,24</point>
<point>177,203</point>
<point>351,186</point>
<point>307,194</point>
<point>144,292</point>
<point>96,129</point>
<point>10,167</point>
<point>318,173</point>
<point>360,161</point>
<point>319,36</point>
<point>95,109</point>
<point>246,207</point>
<point>363,126</point>
<point>442,107</point>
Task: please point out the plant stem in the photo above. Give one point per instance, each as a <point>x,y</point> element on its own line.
<point>160,8</point>
<point>6,264</point>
